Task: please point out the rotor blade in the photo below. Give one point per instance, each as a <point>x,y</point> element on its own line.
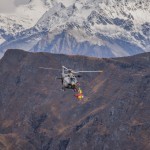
<point>65,68</point>
<point>87,71</point>
<point>49,68</point>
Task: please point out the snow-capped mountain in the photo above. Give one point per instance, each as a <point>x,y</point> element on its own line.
<point>24,17</point>
<point>99,28</point>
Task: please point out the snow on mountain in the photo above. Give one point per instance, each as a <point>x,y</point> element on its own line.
<point>86,27</point>
<point>66,3</point>
<point>24,17</point>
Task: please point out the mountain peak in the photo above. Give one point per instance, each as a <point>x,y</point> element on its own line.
<point>95,28</point>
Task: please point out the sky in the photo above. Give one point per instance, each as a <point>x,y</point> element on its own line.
<point>8,6</point>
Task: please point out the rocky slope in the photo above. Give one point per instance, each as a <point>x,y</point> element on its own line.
<point>87,27</point>
<point>35,114</point>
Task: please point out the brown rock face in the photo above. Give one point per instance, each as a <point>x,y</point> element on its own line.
<point>36,115</point>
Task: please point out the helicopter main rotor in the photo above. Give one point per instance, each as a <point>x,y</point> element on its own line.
<point>71,70</point>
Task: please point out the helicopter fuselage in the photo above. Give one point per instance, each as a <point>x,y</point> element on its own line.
<point>69,81</point>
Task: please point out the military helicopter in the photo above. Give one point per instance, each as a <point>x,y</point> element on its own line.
<point>69,79</point>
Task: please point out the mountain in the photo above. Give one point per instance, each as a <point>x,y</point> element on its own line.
<point>36,114</point>
<point>86,27</point>
<point>24,17</point>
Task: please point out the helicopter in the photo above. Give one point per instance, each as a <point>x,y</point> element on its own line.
<point>69,79</point>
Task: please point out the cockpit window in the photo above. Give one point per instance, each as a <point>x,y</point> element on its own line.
<point>72,79</point>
